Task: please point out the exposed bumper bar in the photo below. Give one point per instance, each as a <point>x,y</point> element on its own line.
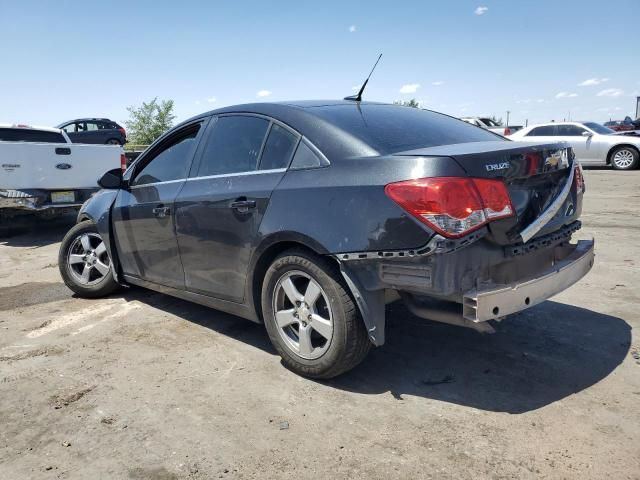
<point>480,305</point>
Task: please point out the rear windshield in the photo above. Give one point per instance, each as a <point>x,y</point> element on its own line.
<point>28,135</point>
<point>392,129</point>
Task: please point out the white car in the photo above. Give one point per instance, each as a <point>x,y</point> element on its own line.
<point>42,171</point>
<point>592,143</point>
<point>491,125</point>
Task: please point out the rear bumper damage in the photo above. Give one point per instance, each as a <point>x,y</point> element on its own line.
<point>468,284</point>
<point>491,302</point>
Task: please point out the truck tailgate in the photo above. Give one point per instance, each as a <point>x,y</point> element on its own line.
<point>55,166</point>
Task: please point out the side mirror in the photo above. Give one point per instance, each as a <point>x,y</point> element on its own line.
<point>587,134</point>
<point>111,180</point>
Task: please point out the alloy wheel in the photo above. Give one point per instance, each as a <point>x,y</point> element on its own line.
<point>623,158</point>
<point>304,320</point>
<point>88,260</point>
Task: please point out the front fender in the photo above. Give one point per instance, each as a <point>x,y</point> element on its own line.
<point>98,210</point>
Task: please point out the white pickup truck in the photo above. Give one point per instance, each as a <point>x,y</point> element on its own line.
<point>42,172</point>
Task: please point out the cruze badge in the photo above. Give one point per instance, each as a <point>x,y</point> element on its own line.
<point>497,166</point>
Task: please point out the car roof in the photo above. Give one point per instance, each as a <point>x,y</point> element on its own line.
<point>91,118</point>
<point>302,116</point>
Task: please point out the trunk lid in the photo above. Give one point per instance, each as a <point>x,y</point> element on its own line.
<point>535,175</point>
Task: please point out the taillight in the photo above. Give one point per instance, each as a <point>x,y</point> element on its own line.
<point>579,176</point>
<point>453,206</point>
<point>123,162</point>
<point>507,131</point>
<point>122,131</point>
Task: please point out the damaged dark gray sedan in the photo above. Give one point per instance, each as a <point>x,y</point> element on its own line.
<point>310,216</point>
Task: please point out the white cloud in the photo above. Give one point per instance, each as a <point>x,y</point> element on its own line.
<point>352,28</point>
<point>211,99</point>
<point>437,83</point>
<point>592,81</point>
<point>410,88</point>
<point>197,102</point>
<point>481,10</point>
<point>566,95</point>
<point>611,92</point>
<point>263,93</point>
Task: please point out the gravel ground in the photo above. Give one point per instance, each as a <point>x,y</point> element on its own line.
<point>145,386</point>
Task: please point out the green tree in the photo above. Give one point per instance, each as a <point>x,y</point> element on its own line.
<point>409,103</point>
<point>150,120</point>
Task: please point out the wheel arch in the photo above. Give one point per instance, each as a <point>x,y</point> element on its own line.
<point>619,145</point>
<point>270,247</point>
<point>370,304</point>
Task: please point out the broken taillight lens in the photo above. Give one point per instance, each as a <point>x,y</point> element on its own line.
<point>579,176</point>
<point>453,206</point>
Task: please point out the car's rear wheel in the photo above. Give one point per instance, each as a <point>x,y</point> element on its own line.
<point>624,158</point>
<point>310,316</point>
<point>84,262</point>
<point>113,141</point>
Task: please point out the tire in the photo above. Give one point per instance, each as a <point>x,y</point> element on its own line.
<point>113,141</point>
<point>624,158</point>
<point>83,250</point>
<point>334,309</point>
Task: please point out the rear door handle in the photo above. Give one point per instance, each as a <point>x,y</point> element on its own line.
<point>243,206</point>
<point>63,151</point>
<point>161,212</point>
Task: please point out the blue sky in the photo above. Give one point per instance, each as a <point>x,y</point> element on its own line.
<point>69,59</point>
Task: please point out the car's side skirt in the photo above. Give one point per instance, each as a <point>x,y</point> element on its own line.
<point>223,305</point>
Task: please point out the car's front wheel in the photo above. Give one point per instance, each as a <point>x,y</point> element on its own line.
<point>310,316</point>
<point>624,158</point>
<point>84,262</point>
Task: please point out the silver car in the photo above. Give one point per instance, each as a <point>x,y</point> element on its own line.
<point>592,143</point>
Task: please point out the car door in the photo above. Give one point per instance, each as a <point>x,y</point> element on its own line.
<point>143,213</point>
<point>218,212</point>
<point>71,130</point>
<point>584,147</point>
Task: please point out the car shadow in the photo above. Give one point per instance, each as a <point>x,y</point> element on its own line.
<point>535,358</point>
<point>31,231</point>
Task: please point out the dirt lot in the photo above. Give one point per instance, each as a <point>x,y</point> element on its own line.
<point>142,385</point>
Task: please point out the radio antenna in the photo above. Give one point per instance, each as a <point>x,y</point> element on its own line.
<point>358,97</point>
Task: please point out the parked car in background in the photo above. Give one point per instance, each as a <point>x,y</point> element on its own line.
<point>492,125</point>
<point>592,143</point>
<point>95,130</point>
<point>619,125</point>
<point>310,216</point>
<point>42,172</point>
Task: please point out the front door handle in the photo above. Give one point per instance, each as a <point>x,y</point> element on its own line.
<point>243,205</point>
<point>161,211</point>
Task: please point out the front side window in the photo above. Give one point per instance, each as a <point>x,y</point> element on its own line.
<point>546,131</point>
<point>71,128</point>
<point>278,148</point>
<point>570,131</point>
<point>233,145</point>
<point>172,159</point>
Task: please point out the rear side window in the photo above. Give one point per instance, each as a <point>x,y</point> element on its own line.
<point>392,129</point>
<point>278,148</point>
<point>546,131</point>
<point>171,161</point>
<point>29,135</point>
<point>233,145</point>
<point>305,158</point>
